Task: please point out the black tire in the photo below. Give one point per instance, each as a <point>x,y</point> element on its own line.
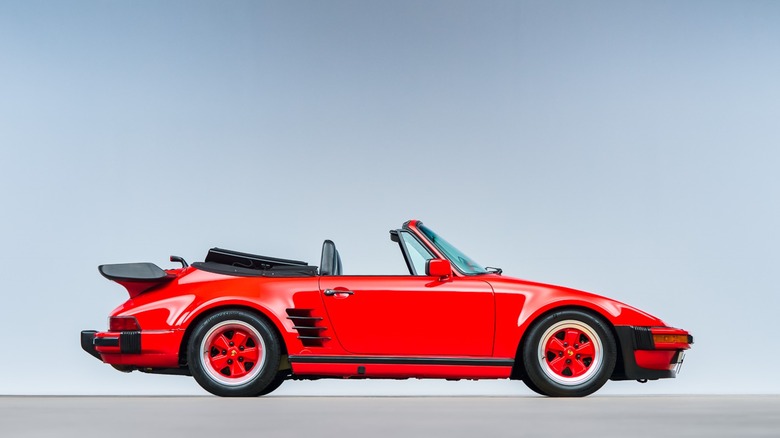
<point>532,386</point>
<point>234,353</point>
<point>570,353</point>
<point>277,381</point>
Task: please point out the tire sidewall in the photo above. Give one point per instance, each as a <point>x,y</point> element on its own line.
<point>544,383</point>
<point>269,366</point>
<point>275,383</point>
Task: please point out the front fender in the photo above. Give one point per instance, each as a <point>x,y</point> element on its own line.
<point>614,312</point>
<point>519,304</point>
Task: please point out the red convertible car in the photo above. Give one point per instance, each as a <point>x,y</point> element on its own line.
<point>242,324</point>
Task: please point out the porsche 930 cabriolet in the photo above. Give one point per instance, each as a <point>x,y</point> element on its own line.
<point>242,324</point>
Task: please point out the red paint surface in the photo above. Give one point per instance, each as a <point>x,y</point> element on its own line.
<point>655,359</point>
<point>482,316</point>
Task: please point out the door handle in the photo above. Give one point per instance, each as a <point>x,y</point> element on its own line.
<point>329,292</point>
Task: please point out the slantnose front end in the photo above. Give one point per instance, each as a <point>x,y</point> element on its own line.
<point>650,353</point>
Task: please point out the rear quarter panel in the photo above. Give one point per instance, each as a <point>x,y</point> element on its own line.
<point>196,293</point>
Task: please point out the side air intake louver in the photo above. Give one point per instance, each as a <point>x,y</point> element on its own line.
<point>308,327</point>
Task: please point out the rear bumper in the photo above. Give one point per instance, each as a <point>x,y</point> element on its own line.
<point>88,343</point>
<point>139,349</point>
<point>640,358</point>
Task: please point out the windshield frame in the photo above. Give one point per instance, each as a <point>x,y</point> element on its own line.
<point>459,260</point>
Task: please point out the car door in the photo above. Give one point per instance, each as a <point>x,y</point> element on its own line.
<point>411,315</point>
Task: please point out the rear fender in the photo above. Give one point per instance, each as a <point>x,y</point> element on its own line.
<point>193,318</point>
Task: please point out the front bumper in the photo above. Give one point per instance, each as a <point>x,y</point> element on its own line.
<point>139,349</point>
<point>641,358</point>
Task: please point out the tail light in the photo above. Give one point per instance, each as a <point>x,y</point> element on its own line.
<point>123,324</point>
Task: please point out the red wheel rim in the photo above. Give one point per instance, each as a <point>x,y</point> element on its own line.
<point>232,352</point>
<point>570,352</point>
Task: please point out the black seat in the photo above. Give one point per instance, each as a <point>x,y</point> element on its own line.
<point>330,262</point>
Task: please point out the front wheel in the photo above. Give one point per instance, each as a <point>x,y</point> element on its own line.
<point>569,354</point>
<point>233,353</point>
<point>277,381</point>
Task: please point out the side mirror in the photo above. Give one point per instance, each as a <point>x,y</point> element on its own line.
<point>438,268</point>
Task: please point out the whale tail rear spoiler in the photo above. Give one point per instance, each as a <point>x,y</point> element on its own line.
<point>137,278</point>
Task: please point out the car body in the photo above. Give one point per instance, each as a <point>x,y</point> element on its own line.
<point>242,324</point>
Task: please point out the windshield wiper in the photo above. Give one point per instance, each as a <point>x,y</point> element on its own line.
<point>493,270</point>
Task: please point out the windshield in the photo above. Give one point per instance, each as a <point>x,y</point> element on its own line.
<point>460,260</point>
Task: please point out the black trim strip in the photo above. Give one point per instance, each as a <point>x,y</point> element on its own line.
<point>643,339</point>
<point>392,360</point>
<point>130,342</point>
<point>106,342</point>
<point>305,318</point>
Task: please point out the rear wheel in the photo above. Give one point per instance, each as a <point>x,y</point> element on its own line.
<point>233,353</point>
<point>569,354</point>
<point>530,384</point>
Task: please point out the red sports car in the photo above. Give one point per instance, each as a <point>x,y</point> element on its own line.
<point>242,324</point>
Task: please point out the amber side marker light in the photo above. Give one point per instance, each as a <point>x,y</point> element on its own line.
<point>123,323</point>
<point>670,339</point>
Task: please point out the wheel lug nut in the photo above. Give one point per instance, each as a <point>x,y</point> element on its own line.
<point>230,361</point>
<point>241,348</point>
<point>568,361</point>
<point>231,343</point>
<point>224,351</point>
<point>565,344</point>
<point>560,354</point>
<point>240,359</point>
<point>576,345</point>
<point>578,356</point>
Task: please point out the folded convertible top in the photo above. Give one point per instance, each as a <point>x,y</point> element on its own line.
<point>246,260</point>
<point>225,261</point>
<point>276,271</point>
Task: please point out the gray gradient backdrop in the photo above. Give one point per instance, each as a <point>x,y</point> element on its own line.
<point>625,148</point>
